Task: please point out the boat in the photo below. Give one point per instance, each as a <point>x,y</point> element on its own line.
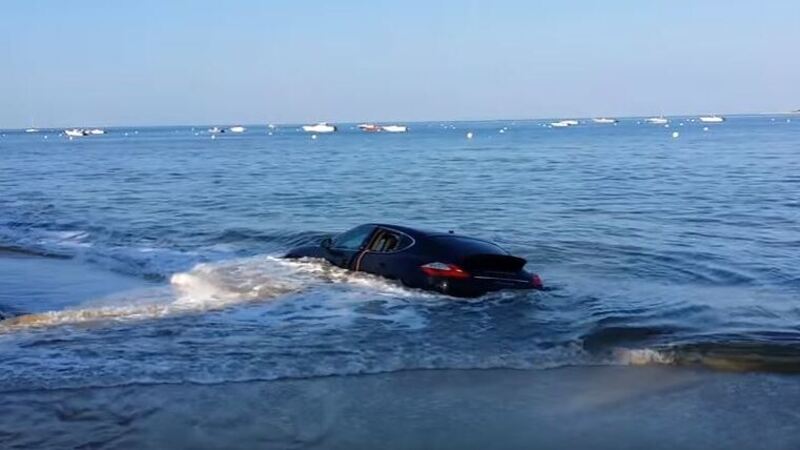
<point>237,129</point>
<point>660,120</point>
<point>97,131</point>
<point>564,123</point>
<point>712,119</point>
<point>604,120</point>
<point>216,130</point>
<point>395,128</point>
<point>322,127</point>
<point>369,127</point>
<point>76,132</point>
<point>31,130</point>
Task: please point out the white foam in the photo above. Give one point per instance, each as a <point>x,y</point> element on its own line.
<point>642,357</point>
<point>214,286</point>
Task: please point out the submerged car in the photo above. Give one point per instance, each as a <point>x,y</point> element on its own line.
<point>452,264</point>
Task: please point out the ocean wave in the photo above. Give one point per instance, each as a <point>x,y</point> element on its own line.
<point>737,356</point>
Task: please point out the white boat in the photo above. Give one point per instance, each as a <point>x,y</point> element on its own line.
<point>76,132</point>
<point>31,130</point>
<point>395,128</point>
<point>237,129</point>
<point>369,127</point>
<point>712,119</point>
<point>216,130</point>
<point>564,123</point>
<point>660,120</point>
<point>97,131</point>
<point>604,120</point>
<point>322,127</point>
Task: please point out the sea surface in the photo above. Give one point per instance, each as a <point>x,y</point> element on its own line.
<point>654,249</point>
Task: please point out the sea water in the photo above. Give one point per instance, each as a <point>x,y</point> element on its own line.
<point>655,250</point>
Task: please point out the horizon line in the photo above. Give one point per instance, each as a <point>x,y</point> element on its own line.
<point>266,122</point>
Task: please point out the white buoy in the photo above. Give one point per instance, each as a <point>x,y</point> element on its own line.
<point>213,136</point>
<point>469,135</point>
<point>269,134</point>
<point>502,131</point>
<point>675,134</point>
<point>313,136</point>
<point>666,125</point>
<point>705,128</point>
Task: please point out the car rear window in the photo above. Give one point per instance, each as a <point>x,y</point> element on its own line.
<point>468,246</point>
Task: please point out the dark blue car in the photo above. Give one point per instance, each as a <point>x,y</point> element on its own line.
<point>445,262</point>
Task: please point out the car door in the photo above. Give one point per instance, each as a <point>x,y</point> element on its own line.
<point>343,248</point>
<point>383,255</point>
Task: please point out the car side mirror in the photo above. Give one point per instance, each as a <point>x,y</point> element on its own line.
<point>326,243</point>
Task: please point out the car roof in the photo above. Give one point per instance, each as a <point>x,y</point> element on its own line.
<point>414,232</point>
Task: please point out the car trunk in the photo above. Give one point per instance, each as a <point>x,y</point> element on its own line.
<point>493,263</point>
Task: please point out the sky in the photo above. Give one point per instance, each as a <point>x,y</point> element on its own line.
<point>147,62</point>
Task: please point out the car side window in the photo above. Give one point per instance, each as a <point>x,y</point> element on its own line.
<point>353,239</point>
<point>387,241</point>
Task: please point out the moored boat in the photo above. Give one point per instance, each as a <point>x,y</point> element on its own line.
<point>604,120</point>
<point>369,127</point>
<point>660,120</point>
<point>322,127</point>
<point>395,128</point>
<point>76,132</point>
<point>712,119</point>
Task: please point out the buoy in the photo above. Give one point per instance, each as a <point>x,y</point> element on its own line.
<point>313,136</point>
<point>213,136</point>
<point>469,135</point>
<point>666,125</point>
<point>705,128</point>
<point>502,130</point>
<point>675,134</point>
<point>269,134</point>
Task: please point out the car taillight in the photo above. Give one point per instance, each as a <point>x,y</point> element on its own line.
<point>442,270</point>
<point>536,281</point>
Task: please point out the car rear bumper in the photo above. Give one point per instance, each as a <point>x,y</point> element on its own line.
<point>477,285</point>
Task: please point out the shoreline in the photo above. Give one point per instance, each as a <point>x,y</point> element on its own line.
<point>570,407</point>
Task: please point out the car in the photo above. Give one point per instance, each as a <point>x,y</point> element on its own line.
<point>449,263</point>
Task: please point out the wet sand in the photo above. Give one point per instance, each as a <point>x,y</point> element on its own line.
<point>577,407</point>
